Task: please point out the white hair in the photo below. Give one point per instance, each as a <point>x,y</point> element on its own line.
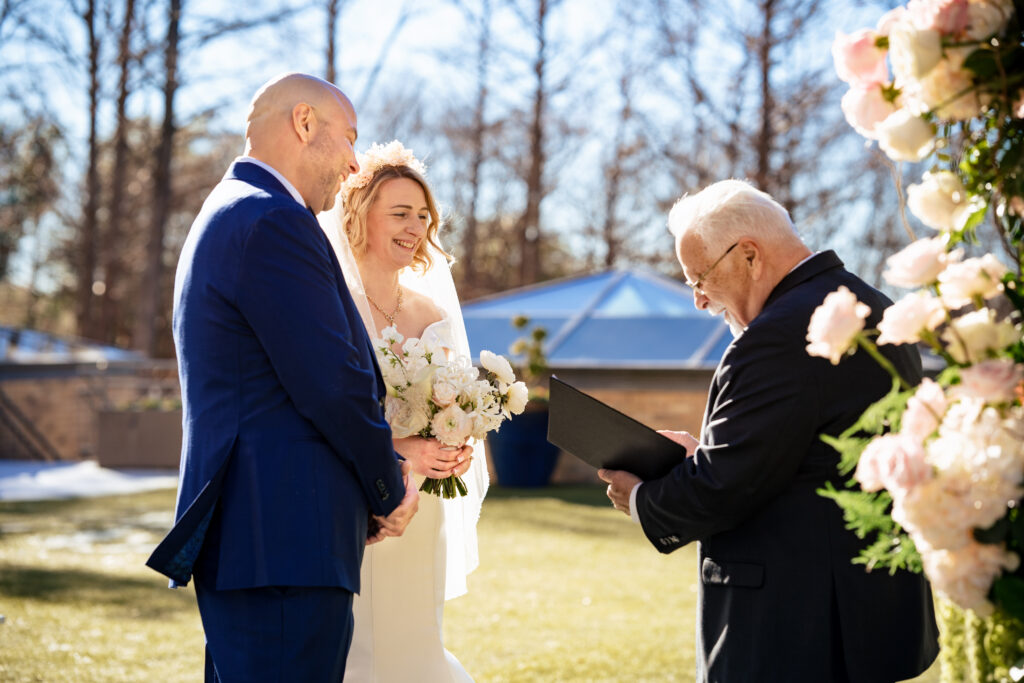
<point>727,211</point>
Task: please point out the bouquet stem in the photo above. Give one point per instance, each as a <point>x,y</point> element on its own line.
<point>446,488</point>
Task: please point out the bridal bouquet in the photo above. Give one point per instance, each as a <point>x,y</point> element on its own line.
<point>941,465</point>
<point>434,397</point>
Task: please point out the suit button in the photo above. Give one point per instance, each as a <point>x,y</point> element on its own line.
<point>383,489</point>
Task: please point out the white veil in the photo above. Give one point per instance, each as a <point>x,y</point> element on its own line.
<point>460,514</point>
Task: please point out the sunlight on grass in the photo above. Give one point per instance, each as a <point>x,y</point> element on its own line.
<point>568,590</point>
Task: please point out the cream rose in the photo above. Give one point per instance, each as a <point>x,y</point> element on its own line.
<point>948,17</point>
<point>919,263</point>
<point>913,51</point>
<point>865,108</point>
<point>406,417</point>
<point>903,322</point>
<point>973,336</point>
<point>444,393</point>
<point>993,381</point>
<point>986,18</point>
<point>518,395</point>
<point>924,411</point>
<point>905,136</point>
<point>893,462</point>
<point>961,283</point>
<point>452,426</point>
<point>835,324</point>
<point>940,201</point>
<point>940,90</point>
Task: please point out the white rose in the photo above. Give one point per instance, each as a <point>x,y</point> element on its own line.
<point>919,263</point>
<point>452,426</point>
<point>924,411</point>
<point>406,417</point>
<point>865,108</point>
<point>981,277</point>
<point>965,575</point>
<point>986,18</point>
<point>834,325</point>
<point>972,336</point>
<point>518,395</point>
<point>499,365</point>
<point>943,83</point>
<point>905,136</point>
<point>913,52</point>
<point>445,393</point>
<point>940,201</point>
<point>903,322</point>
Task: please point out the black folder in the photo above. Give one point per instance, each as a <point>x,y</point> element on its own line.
<point>605,438</point>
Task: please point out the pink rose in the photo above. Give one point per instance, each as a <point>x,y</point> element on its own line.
<point>864,108</point>
<point>919,263</point>
<point>858,60</point>
<point>961,282</point>
<point>893,462</point>
<point>888,20</point>
<point>834,326</point>
<point>924,411</point>
<point>993,381</point>
<point>903,322</point>
<point>948,17</point>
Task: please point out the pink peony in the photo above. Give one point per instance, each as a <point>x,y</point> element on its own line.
<point>924,411</point>
<point>994,381</point>
<point>893,462</point>
<point>858,60</point>
<point>864,108</point>
<point>903,322</point>
<point>834,326</point>
<point>919,263</point>
<point>948,17</point>
<point>961,282</point>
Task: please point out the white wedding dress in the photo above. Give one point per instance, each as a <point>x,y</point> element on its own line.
<point>398,611</point>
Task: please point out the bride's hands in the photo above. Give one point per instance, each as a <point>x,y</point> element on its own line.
<point>429,458</point>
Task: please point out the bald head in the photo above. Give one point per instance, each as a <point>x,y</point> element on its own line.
<point>305,128</point>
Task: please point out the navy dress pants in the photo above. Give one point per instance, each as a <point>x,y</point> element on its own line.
<point>276,634</point>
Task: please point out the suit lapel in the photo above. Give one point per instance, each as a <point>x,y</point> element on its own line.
<point>814,266</point>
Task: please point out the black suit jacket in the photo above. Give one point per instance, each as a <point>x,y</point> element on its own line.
<point>780,599</point>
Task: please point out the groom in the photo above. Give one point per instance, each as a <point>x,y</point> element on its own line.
<point>779,598</point>
<point>286,452</point>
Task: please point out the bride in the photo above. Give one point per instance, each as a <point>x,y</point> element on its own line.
<point>384,229</point>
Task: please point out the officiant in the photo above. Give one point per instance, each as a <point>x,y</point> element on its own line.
<point>779,596</point>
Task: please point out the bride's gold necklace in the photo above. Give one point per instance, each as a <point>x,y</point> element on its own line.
<point>390,317</point>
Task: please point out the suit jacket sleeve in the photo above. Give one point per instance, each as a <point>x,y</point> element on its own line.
<point>762,417</point>
<point>288,290</point>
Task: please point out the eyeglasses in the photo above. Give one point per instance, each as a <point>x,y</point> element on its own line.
<point>698,286</point>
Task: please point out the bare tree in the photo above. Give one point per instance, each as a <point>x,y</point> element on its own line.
<point>333,10</point>
<point>86,244</point>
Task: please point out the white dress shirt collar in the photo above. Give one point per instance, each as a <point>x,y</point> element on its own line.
<point>274,172</point>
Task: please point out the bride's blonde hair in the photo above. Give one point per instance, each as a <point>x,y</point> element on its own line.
<point>357,201</point>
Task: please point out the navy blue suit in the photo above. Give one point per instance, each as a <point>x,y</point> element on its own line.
<point>779,596</point>
<point>286,450</point>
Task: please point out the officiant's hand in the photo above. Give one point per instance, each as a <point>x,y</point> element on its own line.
<point>684,439</point>
<point>395,523</point>
<point>430,458</point>
<point>620,485</point>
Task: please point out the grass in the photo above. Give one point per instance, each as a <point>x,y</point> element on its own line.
<point>568,590</point>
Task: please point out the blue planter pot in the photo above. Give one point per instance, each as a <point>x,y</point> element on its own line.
<point>522,456</point>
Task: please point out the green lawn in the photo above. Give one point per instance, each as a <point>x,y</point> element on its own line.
<point>568,590</point>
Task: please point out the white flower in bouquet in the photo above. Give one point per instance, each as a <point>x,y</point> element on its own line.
<point>946,89</point>
<point>498,365</point>
<point>919,263</point>
<point>913,52</point>
<point>933,514</point>
<point>834,325</point>
<point>993,381</point>
<point>973,336</point>
<point>985,18</point>
<point>965,575</point>
<point>452,426</point>
<point>948,17</point>
<point>905,136</point>
<point>904,321</point>
<point>858,59</point>
<point>893,462</point>
<point>975,278</point>
<point>940,201</point>
<point>518,396</point>
<point>444,393</point>
<point>924,411</point>
<point>406,415</point>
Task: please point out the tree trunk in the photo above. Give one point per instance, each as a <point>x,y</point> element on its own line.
<point>333,10</point>
<point>529,232</point>
<point>112,244</point>
<point>86,258</point>
<point>150,298</point>
<point>470,239</point>
<point>765,141</point>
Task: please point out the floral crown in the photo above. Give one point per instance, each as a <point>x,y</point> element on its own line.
<point>377,157</point>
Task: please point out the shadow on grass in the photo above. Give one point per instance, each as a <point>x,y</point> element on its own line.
<point>146,598</point>
<point>577,494</point>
